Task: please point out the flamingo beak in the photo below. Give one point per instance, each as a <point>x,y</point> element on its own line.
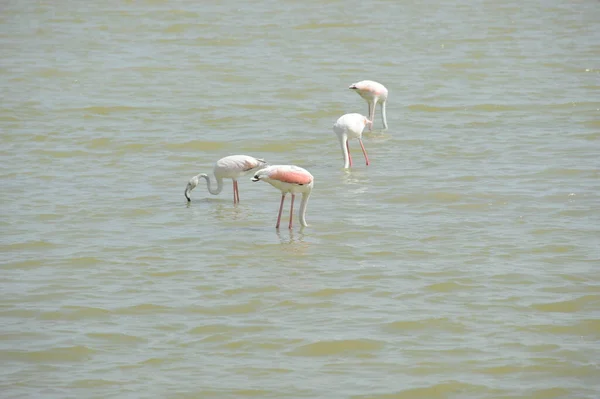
<point>353,87</point>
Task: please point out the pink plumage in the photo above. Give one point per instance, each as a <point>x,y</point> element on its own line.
<point>373,93</point>
<point>291,176</point>
<point>288,179</point>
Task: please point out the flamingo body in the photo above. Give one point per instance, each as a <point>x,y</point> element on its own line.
<point>373,93</point>
<point>231,167</point>
<point>351,126</point>
<point>288,179</point>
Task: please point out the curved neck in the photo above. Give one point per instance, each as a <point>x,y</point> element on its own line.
<point>383,115</point>
<point>208,185</point>
<point>345,154</point>
<point>302,211</point>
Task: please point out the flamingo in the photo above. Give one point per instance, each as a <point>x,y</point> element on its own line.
<point>289,179</point>
<point>231,167</point>
<point>373,93</point>
<point>351,126</point>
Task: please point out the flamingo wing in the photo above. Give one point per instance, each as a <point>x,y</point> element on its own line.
<point>249,165</point>
<point>291,176</point>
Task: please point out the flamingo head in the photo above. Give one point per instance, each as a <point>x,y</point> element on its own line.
<point>260,175</point>
<point>368,122</point>
<point>256,177</point>
<point>353,87</point>
<point>190,186</point>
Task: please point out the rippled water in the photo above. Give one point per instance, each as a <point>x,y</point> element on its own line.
<point>462,263</point>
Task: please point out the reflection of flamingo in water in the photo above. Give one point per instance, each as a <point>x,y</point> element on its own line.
<point>296,245</point>
<point>231,167</point>
<point>288,179</point>
<point>373,93</point>
<point>351,126</point>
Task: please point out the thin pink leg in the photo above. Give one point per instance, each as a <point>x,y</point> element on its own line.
<point>237,191</point>
<point>372,107</point>
<point>349,156</point>
<point>292,210</point>
<point>364,151</point>
<point>280,209</point>
<point>234,190</point>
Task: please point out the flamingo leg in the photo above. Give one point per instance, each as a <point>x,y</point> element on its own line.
<point>349,156</point>
<point>372,113</point>
<point>364,151</point>
<point>234,192</point>
<point>237,191</point>
<point>369,102</point>
<point>280,209</point>
<point>292,210</point>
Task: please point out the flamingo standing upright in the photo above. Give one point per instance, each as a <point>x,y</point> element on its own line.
<point>373,93</point>
<point>231,167</point>
<point>351,126</point>
<point>289,179</point>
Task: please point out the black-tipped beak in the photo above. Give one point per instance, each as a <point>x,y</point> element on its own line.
<point>255,179</point>
<point>186,196</point>
<point>353,87</point>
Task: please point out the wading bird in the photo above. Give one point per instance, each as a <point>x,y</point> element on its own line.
<point>231,167</point>
<point>288,179</point>
<point>351,126</point>
<point>373,93</point>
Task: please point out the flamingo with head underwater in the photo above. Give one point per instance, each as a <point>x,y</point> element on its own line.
<point>373,93</point>
<point>231,167</point>
<point>351,126</point>
<point>288,179</point>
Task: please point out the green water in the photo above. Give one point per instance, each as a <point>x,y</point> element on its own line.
<point>462,263</point>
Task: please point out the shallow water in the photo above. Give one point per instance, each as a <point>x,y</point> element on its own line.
<point>462,263</point>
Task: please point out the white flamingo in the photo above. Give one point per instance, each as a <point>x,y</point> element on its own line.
<point>351,126</point>
<point>373,93</point>
<point>231,167</point>
<point>288,179</point>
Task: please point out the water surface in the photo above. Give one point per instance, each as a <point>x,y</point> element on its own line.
<point>462,263</point>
